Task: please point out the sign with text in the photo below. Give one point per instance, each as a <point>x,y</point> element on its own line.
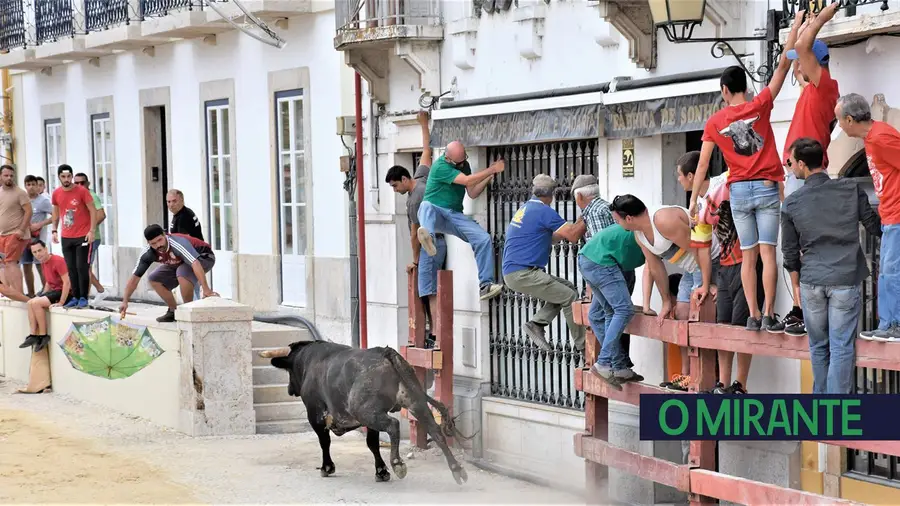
<point>582,122</point>
<point>779,417</point>
<point>663,116</point>
<point>627,157</point>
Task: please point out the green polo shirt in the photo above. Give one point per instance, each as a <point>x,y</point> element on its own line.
<point>440,190</point>
<point>614,246</point>
<point>98,205</point>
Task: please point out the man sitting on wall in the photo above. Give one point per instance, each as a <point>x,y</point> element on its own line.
<point>822,219</point>
<point>449,181</point>
<point>185,262</point>
<point>533,229</point>
<point>56,292</point>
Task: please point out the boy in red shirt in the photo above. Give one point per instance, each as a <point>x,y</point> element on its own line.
<point>813,117</point>
<point>882,143</point>
<point>55,292</point>
<point>75,205</point>
<point>743,133</point>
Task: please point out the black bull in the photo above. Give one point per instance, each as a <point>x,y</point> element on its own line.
<point>345,388</point>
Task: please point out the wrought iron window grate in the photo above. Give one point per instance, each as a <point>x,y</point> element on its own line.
<point>790,8</point>
<point>103,14</point>
<point>164,7</point>
<point>53,20</point>
<point>12,24</point>
<point>519,369</point>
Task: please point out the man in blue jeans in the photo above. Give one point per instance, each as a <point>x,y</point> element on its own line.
<point>603,262</point>
<point>449,181</point>
<point>822,219</point>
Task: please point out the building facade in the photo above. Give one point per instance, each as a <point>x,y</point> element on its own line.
<point>167,95</point>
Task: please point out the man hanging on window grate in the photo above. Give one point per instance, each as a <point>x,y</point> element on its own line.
<point>449,181</point>
<point>533,229</point>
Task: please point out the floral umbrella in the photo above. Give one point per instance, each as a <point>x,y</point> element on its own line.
<point>109,348</point>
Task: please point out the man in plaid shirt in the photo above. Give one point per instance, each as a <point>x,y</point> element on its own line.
<point>597,216</point>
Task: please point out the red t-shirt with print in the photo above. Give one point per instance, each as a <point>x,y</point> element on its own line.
<point>54,269</point>
<point>73,210</point>
<point>814,114</point>
<point>744,135</point>
<point>883,154</point>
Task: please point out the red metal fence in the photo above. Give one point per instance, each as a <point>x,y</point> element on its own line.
<point>438,359</point>
<point>699,477</point>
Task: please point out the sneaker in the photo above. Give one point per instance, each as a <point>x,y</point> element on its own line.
<point>430,341</point>
<point>169,317</point>
<point>679,382</point>
<point>606,374</point>
<point>73,303</point>
<point>489,291</point>
<point>868,335</point>
<point>100,297</point>
<point>628,375</point>
<point>892,334</point>
<point>427,241</point>
<point>31,340</point>
<point>720,389</point>
<point>42,343</point>
<point>797,330</point>
<point>771,324</point>
<point>535,332</point>
<point>790,320</point>
<point>82,303</point>
<point>754,324</point>
<point>737,388</point>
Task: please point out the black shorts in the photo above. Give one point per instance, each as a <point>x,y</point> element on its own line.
<point>731,305</point>
<point>54,296</point>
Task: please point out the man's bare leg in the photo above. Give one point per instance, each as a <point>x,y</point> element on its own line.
<point>13,275</point>
<point>165,294</point>
<point>748,279</point>
<point>743,368</point>
<point>770,277</point>
<point>96,283</point>
<point>13,294</point>
<point>39,308</point>
<point>187,289</point>
<point>32,320</point>
<point>29,279</point>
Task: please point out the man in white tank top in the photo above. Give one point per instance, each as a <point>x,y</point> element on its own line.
<point>664,234</point>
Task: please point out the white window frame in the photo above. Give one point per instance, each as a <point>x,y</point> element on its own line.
<point>219,236</point>
<point>53,143</point>
<point>297,181</point>
<point>102,180</point>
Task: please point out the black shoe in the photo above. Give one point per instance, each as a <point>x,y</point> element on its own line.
<point>736,388</point>
<point>753,324</point>
<point>720,389</point>
<point>44,341</point>
<point>790,320</point>
<point>430,341</point>
<point>31,340</point>
<point>797,330</point>
<point>771,324</point>
<point>628,375</point>
<point>169,317</point>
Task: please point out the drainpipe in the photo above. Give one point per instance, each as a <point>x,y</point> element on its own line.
<point>5,92</point>
<point>361,218</point>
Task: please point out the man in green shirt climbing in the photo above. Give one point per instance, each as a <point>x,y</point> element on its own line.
<point>441,211</point>
<point>603,262</point>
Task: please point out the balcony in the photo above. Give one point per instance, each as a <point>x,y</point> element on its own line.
<point>369,32</point>
<point>855,20</point>
<point>181,19</point>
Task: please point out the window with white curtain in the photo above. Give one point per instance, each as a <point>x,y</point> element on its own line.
<point>218,175</point>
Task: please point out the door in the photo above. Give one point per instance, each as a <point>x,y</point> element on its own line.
<point>156,173</point>
<point>103,185</point>
<point>291,196</point>
<point>219,195</point>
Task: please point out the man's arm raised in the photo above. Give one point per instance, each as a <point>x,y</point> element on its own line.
<point>805,41</point>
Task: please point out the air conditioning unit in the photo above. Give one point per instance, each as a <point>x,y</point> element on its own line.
<point>346,125</point>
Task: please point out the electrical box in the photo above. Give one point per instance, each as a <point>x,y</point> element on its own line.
<point>346,125</point>
<point>345,163</point>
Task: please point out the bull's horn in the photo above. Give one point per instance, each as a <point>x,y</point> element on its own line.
<point>280,352</point>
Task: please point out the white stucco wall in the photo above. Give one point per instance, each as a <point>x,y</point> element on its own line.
<point>182,66</point>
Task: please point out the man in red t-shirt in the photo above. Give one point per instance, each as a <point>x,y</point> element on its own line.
<point>743,133</point>
<point>55,292</point>
<point>814,115</point>
<point>75,205</point>
<point>882,143</point>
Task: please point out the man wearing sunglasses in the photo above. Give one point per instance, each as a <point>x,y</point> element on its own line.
<point>441,212</point>
<point>81,179</point>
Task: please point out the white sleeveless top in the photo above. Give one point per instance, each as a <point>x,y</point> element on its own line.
<point>666,249</point>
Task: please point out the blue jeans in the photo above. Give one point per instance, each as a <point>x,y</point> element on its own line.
<point>437,220</point>
<point>756,209</point>
<point>429,267</point>
<point>831,314</point>
<point>612,312</point>
<point>889,278</point>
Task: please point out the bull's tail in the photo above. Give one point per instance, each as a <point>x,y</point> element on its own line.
<point>411,383</point>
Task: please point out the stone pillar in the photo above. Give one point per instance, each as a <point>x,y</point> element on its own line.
<point>216,370</point>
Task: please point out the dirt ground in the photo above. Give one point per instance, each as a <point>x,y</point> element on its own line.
<point>57,450</point>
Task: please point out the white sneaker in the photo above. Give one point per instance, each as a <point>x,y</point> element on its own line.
<point>100,297</point>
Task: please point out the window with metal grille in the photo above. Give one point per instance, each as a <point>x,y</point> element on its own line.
<point>519,369</point>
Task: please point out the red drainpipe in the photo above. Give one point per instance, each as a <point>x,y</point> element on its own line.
<point>361,218</point>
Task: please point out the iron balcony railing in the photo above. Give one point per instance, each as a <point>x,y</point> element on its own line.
<point>164,7</point>
<point>53,20</point>
<point>12,24</point>
<point>791,7</point>
<point>103,14</point>
<point>359,14</point>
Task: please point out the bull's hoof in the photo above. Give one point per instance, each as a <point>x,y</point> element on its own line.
<point>382,474</point>
<point>326,470</point>
<point>460,476</point>
<point>399,469</point>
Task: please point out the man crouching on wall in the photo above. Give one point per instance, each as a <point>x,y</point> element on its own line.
<point>55,293</point>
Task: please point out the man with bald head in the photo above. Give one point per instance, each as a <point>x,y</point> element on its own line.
<point>441,211</point>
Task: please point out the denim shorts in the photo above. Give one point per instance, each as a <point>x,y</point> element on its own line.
<point>756,208</point>
<point>689,282</point>
<point>430,265</point>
